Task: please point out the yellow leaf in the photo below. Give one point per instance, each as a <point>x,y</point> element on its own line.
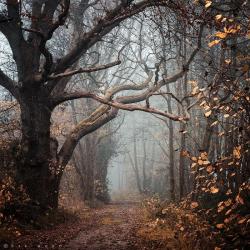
<point>218,17</point>
<point>195,90</point>
<point>207,114</point>
<point>221,35</point>
<point>207,107</point>
<point>221,134</point>
<point>214,123</point>
<point>206,162</point>
<point>226,115</point>
<point>202,103</point>
<point>208,4</point>
<point>204,156</point>
<point>193,165</point>
<point>237,152</point>
<point>200,162</point>
<point>211,44</point>
<point>232,30</point>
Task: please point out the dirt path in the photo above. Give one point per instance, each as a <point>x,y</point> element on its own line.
<point>113,228</point>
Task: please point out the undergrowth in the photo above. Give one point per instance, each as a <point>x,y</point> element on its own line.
<point>187,226</point>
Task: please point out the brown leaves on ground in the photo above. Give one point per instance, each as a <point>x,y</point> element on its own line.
<point>54,231</point>
<point>112,227</point>
<point>121,226</point>
<point>173,227</point>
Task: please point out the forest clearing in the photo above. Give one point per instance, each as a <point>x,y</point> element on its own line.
<point>125,124</point>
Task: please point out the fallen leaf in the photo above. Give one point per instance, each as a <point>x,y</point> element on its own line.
<point>242,221</point>
<point>214,190</point>
<point>194,205</point>
<point>220,226</point>
<point>209,168</point>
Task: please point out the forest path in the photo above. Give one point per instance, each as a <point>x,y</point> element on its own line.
<point>113,227</point>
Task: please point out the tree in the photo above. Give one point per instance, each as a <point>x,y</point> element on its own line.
<point>39,85</point>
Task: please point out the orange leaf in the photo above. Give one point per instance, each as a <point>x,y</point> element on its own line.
<point>194,205</point>
<point>209,169</point>
<point>228,202</point>
<point>214,190</point>
<point>221,35</point>
<point>221,208</point>
<point>194,159</point>
<point>239,200</point>
<point>242,221</point>
<point>218,17</point>
<point>228,212</point>
<point>208,4</point>
<point>206,162</point>
<point>200,162</point>
<point>207,114</point>
<point>211,44</point>
<point>220,226</point>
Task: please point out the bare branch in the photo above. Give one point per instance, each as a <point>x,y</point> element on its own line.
<point>103,27</point>
<point>7,83</point>
<point>120,105</point>
<point>84,70</point>
<point>90,124</point>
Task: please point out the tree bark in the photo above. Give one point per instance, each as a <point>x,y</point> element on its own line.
<point>37,168</point>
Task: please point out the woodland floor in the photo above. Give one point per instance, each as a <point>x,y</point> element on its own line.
<point>111,227</point>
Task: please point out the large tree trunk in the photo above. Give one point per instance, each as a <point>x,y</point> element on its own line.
<point>37,169</point>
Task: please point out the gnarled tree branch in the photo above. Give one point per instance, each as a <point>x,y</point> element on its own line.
<point>10,85</point>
